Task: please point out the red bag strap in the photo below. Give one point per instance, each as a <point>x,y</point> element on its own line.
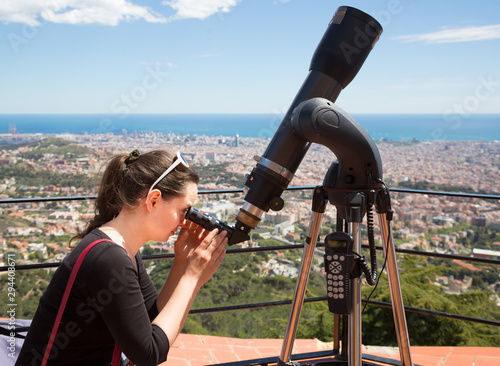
<point>64,300</point>
<point>117,353</point>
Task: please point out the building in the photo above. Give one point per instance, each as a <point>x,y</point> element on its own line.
<point>485,253</point>
<point>39,249</point>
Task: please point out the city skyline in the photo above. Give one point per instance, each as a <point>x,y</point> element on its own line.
<point>232,56</point>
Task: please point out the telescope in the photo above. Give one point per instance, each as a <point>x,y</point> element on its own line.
<point>353,184</point>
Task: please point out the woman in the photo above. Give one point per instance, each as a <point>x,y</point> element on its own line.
<point>113,301</point>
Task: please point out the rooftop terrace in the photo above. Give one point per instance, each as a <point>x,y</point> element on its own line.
<point>197,350</point>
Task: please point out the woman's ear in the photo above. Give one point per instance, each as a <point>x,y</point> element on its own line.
<point>153,197</point>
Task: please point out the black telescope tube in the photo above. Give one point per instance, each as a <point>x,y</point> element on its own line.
<point>348,40</point>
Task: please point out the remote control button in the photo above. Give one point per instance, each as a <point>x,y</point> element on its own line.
<point>330,294</point>
<point>341,296</point>
<point>330,288</point>
<point>340,277</point>
<point>342,258</point>
<point>341,283</point>
<point>335,257</point>
<point>329,257</point>
<point>335,296</point>
<point>335,267</point>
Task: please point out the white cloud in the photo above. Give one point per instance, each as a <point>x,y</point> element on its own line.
<point>79,12</point>
<point>454,35</point>
<point>104,12</point>
<point>199,9</point>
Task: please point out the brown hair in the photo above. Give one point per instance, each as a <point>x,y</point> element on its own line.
<point>127,179</point>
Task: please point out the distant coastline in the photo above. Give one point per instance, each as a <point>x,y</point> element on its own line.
<point>423,127</point>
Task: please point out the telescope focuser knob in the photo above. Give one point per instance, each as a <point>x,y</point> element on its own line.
<point>276,203</point>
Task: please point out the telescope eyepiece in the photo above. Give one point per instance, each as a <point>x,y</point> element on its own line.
<point>206,221</point>
<point>209,223</point>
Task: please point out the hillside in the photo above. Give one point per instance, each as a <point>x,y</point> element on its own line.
<point>237,282</point>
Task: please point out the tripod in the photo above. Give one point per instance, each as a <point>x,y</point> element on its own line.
<point>354,208</point>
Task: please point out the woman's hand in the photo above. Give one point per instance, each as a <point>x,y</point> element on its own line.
<point>199,251</point>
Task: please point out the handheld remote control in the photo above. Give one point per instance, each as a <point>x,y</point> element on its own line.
<point>338,263</point>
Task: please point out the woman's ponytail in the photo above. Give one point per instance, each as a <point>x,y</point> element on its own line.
<point>109,201</point>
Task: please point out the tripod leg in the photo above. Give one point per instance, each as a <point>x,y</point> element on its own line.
<point>355,356</point>
<point>300,289</point>
<point>395,289</point>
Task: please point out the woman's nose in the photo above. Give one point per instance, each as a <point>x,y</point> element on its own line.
<point>182,219</point>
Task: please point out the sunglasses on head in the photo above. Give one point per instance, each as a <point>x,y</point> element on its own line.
<point>180,160</point>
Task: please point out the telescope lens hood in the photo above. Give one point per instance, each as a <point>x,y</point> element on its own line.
<point>348,40</point>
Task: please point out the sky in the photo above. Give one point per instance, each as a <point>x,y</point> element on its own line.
<point>240,56</point>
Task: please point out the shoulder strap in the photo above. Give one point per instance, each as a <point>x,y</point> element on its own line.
<point>117,355</point>
<point>65,297</point>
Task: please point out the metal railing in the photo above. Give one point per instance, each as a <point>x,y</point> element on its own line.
<point>491,322</point>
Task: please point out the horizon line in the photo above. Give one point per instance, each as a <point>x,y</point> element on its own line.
<point>228,113</point>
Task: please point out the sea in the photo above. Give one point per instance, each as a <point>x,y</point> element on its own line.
<point>422,127</point>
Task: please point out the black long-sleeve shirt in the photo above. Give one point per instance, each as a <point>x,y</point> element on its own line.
<point>110,302</point>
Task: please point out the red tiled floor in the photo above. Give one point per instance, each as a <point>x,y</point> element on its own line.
<point>198,350</point>
<point>459,361</point>
<point>487,361</point>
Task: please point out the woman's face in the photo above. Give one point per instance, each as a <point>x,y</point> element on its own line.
<point>171,214</point>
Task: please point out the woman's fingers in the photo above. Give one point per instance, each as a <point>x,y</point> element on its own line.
<point>203,239</point>
<point>220,251</point>
<point>208,253</point>
<point>214,238</point>
<point>219,248</point>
